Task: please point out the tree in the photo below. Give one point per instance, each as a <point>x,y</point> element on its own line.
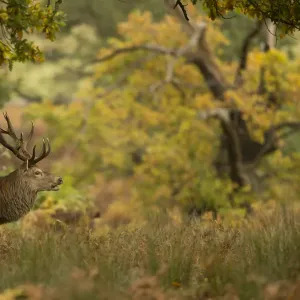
<point>280,12</point>
<point>19,19</point>
<point>161,105</point>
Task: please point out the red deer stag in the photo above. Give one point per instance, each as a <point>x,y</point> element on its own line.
<point>18,190</point>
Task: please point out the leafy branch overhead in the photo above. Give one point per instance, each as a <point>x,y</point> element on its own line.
<point>20,18</point>
<point>281,12</point>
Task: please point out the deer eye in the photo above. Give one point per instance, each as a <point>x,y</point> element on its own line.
<point>37,173</point>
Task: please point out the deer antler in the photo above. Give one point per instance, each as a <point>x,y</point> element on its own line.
<point>20,149</point>
<point>45,152</point>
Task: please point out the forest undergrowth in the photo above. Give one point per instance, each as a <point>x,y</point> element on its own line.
<point>257,259</point>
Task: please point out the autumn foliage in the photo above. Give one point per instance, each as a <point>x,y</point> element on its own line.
<point>21,18</point>
<point>139,120</point>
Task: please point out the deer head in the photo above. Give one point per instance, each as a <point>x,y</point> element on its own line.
<point>29,173</point>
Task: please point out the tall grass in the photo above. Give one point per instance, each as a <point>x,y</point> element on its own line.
<point>258,260</point>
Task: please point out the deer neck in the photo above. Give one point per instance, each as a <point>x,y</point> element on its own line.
<point>16,197</point>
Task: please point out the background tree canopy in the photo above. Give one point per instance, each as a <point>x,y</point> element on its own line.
<point>159,112</point>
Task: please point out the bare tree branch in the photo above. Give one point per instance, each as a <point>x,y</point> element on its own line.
<point>244,53</point>
<point>291,125</point>
<point>169,77</point>
<point>129,69</point>
<point>182,7</point>
<point>203,58</point>
<point>270,39</point>
<point>238,164</point>
<point>152,48</point>
<point>220,113</point>
<point>176,11</point>
<point>175,54</point>
<point>271,138</point>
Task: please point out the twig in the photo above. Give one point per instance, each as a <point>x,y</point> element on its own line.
<point>152,48</point>
<point>56,7</point>
<point>182,7</point>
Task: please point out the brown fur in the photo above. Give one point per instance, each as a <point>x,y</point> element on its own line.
<point>18,191</point>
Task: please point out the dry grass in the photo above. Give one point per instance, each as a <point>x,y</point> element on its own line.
<point>258,260</point>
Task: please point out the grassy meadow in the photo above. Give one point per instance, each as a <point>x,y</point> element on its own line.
<point>259,259</point>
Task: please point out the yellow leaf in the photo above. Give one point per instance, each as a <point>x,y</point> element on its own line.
<point>3,16</point>
<point>176,284</point>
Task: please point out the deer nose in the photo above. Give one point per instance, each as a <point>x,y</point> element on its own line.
<point>59,180</point>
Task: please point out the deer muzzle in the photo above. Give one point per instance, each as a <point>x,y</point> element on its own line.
<point>58,182</point>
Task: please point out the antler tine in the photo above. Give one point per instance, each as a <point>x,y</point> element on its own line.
<point>49,146</point>
<point>45,152</point>
<point>10,129</point>
<point>19,142</point>
<point>22,138</point>
<point>4,143</point>
<point>33,153</point>
<point>30,133</point>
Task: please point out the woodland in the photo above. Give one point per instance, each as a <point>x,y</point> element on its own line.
<point>175,126</point>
